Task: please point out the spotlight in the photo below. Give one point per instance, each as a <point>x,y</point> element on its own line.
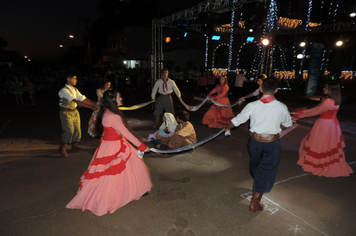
<point>339,43</point>
<point>302,44</point>
<point>168,39</point>
<point>265,41</point>
<point>300,56</point>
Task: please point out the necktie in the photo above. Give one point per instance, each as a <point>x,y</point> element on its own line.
<point>165,85</point>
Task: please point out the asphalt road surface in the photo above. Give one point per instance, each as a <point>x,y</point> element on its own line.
<point>200,192</point>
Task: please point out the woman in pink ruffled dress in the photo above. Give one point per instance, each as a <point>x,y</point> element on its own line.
<point>116,174</point>
<point>321,152</point>
<point>218,116</point>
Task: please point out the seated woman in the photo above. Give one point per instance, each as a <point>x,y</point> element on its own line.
<point>184,134</point>
<point>165,130</point>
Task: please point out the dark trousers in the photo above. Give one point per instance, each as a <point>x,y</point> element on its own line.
<point>264,163</point>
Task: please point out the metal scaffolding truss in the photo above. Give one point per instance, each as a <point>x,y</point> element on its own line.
<point>157,50</point>
<point>215,6</point>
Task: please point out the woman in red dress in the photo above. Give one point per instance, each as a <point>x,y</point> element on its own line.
<point>116,175</point>
<point>321,152</point>
<point>218,116</point>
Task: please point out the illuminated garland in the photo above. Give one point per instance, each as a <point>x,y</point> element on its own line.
<point>219,72</point>
<point>347,75</point>
<point>312,24</point>
<point>224,28</point>
<point>221,44</point>
<point>308,15</point>
<point>290,23</point>
<point>272,19</point>
<point>206,51</point>
<point>231,39</point>
<point>284,74</point>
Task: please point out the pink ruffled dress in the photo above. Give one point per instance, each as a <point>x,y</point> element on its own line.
<point>321,152</point>
<point>116,175</point>
<point>217,116</point>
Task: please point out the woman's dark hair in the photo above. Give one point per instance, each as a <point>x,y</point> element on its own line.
<point>269,85</point>
<point>224,76</point>
<point>108,102</point>
<point>183,115</point>
<point>102,82</point>
<point>334,92</point>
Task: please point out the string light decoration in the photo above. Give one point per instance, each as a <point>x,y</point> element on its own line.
<point>327,61</point>
<point>241,24</point>
<point>322,65</point>
<point>206,51</point>
<point>256,64</point>
<point>287,75</point>
<point>308,15</point>
<point>219,72</point>
<point>224,28</point>
<point>271,22</point>
<point>335,11</point>
<point>239,55</point>
<point>221,44</point>
<point>290,23</point>
<point>321,8</point>
<point>346,75</point>
<point>231,39</point>
<point>313,24</point>
<point>294,57</point>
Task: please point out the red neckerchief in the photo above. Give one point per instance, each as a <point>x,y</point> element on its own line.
<point>267,98</point>
<point>165,85</point>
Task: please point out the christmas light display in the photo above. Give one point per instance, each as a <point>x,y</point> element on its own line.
<point>222,44</point>
<point>290,23</point>
<point>231,39</point>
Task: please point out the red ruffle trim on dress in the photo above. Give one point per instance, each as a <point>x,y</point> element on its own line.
<point>107,159</point>
<point>332,152</point>
<point>112,170</point>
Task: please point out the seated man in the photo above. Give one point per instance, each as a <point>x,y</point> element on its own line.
<point>183,135</point>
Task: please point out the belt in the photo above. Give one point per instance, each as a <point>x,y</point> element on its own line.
<point>66,109</point>
<point>164,94</point>
<point>264,138</point>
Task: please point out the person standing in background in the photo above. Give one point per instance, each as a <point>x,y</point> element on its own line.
<point>239,84</point>
<point>70,98</point>
<point>164,87</point>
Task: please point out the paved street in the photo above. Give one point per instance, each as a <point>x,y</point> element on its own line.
<point>200,192</point>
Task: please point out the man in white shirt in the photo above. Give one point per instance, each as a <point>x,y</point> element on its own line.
<point>70,98</point>
<point>266,117</point>
<point>239,84</point>
<point>164,87</point>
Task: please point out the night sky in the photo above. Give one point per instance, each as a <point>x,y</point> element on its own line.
<point>36,28</point>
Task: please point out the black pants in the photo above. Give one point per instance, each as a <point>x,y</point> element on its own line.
<point>264,163</point>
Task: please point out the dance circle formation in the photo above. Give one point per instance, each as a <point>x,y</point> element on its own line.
<point>118,175</point>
